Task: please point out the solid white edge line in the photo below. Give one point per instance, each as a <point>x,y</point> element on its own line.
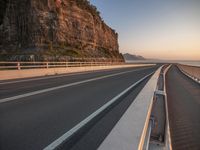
<point>64,86</point>
<point>69,133</point>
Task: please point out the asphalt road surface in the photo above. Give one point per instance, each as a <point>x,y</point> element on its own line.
<point>35,112</point>
<point>184,110</point>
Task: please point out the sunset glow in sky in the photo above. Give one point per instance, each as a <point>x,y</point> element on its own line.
<point>163,29</point>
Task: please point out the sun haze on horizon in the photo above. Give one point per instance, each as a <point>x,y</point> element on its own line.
<point>155,29</point>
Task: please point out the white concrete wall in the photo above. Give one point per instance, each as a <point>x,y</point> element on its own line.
<point>27,73</point>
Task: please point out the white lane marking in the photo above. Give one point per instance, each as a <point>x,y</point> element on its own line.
<point>63,86</point>
<point>69,133</point>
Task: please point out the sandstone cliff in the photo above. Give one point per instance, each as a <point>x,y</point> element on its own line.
<point>55,28</point>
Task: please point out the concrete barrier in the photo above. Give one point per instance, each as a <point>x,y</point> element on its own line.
<point>27,73</point>
<point>162,96</point>
<point>134,130</point>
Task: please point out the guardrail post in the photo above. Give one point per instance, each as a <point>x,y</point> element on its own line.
<point>18,66</point>
<point>47,65</point>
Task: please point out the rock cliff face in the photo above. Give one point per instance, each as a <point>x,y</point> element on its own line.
<point>62,26</point>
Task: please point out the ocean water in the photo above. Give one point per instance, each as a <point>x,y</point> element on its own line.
<point>191,63</point>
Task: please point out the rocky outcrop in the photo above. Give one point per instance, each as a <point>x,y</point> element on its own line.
<point>56,27</point>
<point>131,57</point>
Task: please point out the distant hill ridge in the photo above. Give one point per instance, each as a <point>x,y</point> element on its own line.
<point>129,57</point>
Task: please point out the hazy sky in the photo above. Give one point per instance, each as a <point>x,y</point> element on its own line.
<point>166,29</point>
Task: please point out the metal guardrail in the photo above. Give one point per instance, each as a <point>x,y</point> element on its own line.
<point>168,134</point>
<point>31,65</point>
<point>191,71</point>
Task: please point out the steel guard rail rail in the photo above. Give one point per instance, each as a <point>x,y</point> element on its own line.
<point>28,65</point>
